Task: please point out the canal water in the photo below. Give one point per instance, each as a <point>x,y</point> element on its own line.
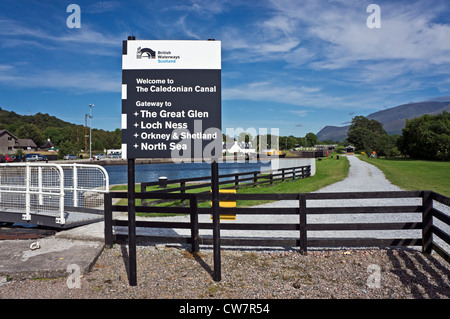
<point>152,172</point>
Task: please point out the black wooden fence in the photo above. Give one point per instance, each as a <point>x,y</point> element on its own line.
<point>428,210</point>
<point>236,180</point>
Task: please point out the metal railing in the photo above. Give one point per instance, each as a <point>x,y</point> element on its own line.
<point>50,188</point>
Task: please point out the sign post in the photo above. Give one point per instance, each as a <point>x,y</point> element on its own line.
<point>171,108</point>
<point>217,275</point>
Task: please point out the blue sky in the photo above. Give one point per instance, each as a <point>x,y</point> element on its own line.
<point>288,64</point>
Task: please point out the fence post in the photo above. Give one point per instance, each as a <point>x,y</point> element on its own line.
<point>427,222</point>
<point>27,215</point>
<point>108,220</point>
<point>302,220</point>
<point>193,201</point>
<point>183,188</point>
<point>236,181</point>
<point>282,174</point>
<point>75,184</point>
<point>255,178</point>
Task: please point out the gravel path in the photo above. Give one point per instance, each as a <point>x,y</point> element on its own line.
<point>167,271</point>
<point>174,273</point>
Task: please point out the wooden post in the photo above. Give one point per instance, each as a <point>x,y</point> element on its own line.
<point>108,220</point>
<point>182,189</point>
<point>236,181</point>
<point>255,178</point>
<point>427,222</point>
<point>217,275</point>
<point>194,224</point>
<point>132,223</point>
<point>302,220</point>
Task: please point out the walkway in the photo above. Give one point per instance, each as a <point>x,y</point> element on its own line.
<point>362,177</point>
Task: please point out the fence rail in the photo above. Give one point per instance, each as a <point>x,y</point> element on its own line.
<point>302,211</point>
<point>431,212</point>
<point>252,178</point>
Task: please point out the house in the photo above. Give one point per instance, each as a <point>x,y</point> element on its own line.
<point>349,150</point>
<point>238,147</point>
<point>9,143</point>
<point>48,145</point>
<point>27,144</point>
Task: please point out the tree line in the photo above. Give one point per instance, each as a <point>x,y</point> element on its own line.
<point>68,138</point>
<point>425,137</point>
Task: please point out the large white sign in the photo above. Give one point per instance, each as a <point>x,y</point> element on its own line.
<point>171,98</point>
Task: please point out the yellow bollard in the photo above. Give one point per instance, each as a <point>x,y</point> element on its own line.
<point>227,204</point>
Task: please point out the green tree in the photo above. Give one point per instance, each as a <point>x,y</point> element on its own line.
<point>67,147</point>
<point>311,139</point>
<point>368,135</point>
<point>427,137</point>
<point>31,131</point>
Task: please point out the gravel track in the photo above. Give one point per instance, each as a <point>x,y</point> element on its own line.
<point>173,272</point>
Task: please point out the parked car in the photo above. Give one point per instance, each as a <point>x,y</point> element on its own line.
<point>10,158</point>
<point>2,159</point>
<point>34,158</point>
<point>99,156</point>
<point>70,157</point>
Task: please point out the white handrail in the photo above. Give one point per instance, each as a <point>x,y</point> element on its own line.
<point>60,189</point>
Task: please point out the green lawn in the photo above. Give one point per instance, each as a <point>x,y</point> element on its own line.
<point>412,174</point>
<point>328,171</point>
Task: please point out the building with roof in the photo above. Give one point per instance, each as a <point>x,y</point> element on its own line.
<point>10,144</point>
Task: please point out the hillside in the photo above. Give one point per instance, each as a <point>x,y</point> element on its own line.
<point>40,127</point>
<point>393,119</point>
<point>10,119</point>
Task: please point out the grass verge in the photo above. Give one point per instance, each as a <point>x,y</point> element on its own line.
<point>411,174</point>
<point>328,171</point>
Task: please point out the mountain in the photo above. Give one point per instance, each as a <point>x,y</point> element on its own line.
<point>393,119</point>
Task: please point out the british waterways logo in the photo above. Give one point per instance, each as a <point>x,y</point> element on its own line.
<point>161,56</point>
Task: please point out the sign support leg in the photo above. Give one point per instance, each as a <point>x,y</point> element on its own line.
<point>132,223</point>
<point>216,219</point>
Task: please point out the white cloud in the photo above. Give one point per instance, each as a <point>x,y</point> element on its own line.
<point>288,94</point>
<point>102,6</point>
<point>15,34</point>
<point>76,82</point>
<point>340,38</point>
<point>300,113</point>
